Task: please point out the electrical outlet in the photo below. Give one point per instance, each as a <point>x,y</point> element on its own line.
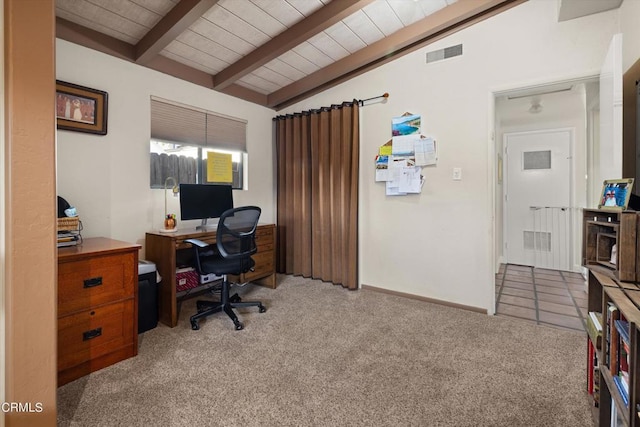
<point>457,174</point>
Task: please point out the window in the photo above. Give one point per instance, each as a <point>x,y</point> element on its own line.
<point>182,137</point>
<point>537,159</point>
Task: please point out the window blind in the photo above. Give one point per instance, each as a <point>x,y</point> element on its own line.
<point>189,125</point>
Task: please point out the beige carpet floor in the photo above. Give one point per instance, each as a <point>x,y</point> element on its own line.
<point>325,356</point>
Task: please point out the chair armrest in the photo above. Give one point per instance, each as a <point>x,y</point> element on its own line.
<point>197,242</point>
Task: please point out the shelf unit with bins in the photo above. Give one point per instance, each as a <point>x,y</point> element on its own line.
<point>601,231</point>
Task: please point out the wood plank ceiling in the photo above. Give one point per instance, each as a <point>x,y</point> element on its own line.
<point>271,52</point>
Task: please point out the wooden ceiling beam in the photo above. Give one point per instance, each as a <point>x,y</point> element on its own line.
<point>440,24</point>
<point>174,23</point>
<point>92,39</point>
<point>75,33</point>
<point>315,23</point>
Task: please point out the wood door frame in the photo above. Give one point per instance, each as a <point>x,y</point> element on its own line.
<point>29,207</point>
<point>492,126</point>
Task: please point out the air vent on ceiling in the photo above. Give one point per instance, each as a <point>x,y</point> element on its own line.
<point>447,52</point>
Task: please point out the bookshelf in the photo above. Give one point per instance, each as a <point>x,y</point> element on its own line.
<point>615,382</point>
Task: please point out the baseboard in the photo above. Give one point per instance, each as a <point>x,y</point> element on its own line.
<point>426,299</point>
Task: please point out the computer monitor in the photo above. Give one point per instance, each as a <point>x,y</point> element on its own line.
<point>204,201</point>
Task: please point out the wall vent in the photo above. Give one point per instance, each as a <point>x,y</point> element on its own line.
<point>447,52</point>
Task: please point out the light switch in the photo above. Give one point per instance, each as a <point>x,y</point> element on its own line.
<point>457,174</point>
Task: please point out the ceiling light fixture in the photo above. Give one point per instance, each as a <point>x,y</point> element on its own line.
<point>536,105</point>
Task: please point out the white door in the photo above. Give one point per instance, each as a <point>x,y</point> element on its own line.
<point>537,198</point>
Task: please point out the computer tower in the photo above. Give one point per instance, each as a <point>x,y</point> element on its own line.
<point>147,296</point>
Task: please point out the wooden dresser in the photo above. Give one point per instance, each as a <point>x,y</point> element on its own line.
<point>167,250</point>
<point>97,306</point>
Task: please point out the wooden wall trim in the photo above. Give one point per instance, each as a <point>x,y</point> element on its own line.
<point>426,299</point>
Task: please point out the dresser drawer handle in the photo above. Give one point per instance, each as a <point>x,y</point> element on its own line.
<point>94,281</point>
<point>94,333</point>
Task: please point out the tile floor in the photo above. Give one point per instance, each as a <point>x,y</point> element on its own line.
<point>547,297</point>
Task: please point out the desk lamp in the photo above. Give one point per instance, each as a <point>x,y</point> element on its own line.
<point>170,222</point>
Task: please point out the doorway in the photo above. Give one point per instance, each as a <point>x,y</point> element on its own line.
<point>537,202</point>
<point>560,111</point>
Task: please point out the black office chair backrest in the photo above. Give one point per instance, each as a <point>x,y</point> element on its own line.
<point>236,233</point>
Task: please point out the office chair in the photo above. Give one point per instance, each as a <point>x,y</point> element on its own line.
<point>235,243</point>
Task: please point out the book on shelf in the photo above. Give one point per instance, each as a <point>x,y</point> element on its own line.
<point>623,349</point>
<point>593,374</point>
<point>596,386</point>
<point>616,416</point>
<point>594,328</point>
<point>623,329</point>
<point>624,390</point>
<point>590,353</point>
<point>611,358</point>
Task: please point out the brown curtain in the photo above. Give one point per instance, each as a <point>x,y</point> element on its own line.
<point>318,155</point>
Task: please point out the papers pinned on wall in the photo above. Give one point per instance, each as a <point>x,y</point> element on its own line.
<point>401,168</point>
<point>406,179</point>
<point>418,148</point>
<point>425,150</point>
<point>401,175</point>
<point>400,160</point>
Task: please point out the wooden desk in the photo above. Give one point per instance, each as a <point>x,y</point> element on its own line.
<point>97,306</point>
<point>167,250</point>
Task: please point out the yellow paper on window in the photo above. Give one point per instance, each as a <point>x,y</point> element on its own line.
<point>219,167</point>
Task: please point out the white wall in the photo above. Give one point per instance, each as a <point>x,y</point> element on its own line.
<point>629,19</point>
<point>439,244</point>
<point>107,177</point>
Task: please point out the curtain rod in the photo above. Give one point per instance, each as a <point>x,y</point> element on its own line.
<point>360,102</point>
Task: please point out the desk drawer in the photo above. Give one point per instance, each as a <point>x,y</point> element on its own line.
<point>95,281</point>
<point>94,333</point>
<point>264,267</point>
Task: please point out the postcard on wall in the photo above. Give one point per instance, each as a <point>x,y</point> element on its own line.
<point>406,124</point>
<point>382,168</point>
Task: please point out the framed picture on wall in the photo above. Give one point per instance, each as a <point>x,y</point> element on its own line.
<point>615,194</point>
<point>80,108</point>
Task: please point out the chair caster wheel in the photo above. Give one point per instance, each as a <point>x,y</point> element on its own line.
<point>195,326</point>
<point>239,326</point>
<point>235,298</point>
<point>262,308</point>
